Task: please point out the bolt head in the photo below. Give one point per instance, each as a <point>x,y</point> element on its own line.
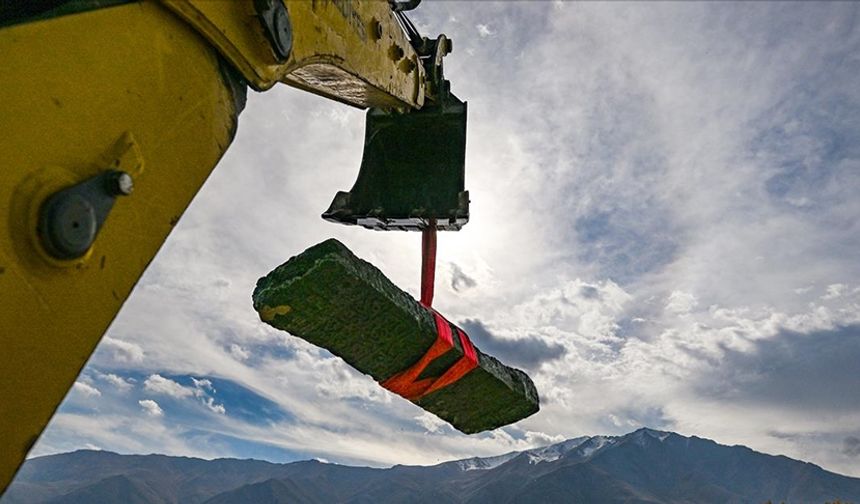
<point>124,184</point>
<point>120,183</point>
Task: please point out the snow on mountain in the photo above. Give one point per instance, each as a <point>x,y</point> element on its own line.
<point>639,436</point>
<point>535,455</point>
<point>484,463</point>
<point>584,446</point>
<point>554,452</point>
<point>595,444</point>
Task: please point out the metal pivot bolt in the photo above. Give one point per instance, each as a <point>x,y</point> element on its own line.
<point>276,26</point>
<point>120,183</point>
<point>70,219</point>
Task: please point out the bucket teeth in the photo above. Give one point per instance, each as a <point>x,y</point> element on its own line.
<point>412,171</point>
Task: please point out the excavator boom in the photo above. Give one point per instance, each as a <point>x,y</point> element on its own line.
<point>113,114</point>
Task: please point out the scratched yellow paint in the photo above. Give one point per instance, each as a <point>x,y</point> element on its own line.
<point>130,87</point>
<point>342,49</point>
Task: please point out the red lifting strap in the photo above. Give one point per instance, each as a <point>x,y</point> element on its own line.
<point>406,382</point>
<point>428,263</point>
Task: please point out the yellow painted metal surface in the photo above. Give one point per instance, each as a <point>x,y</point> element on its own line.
<point>353,51</point>
<point>131,87</point>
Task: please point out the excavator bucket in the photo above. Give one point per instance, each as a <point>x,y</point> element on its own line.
<point>412,171</point>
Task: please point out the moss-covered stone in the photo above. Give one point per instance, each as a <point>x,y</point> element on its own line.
<point>331,298</point>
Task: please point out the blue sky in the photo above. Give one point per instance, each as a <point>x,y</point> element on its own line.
<point>664,233</point>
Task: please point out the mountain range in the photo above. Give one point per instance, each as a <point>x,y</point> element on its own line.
<point>644,466</point>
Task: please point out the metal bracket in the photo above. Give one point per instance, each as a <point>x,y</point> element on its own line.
<point>439,88</point>
<point>70,219</point>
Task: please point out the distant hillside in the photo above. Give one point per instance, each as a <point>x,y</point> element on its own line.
<point>645,466</point>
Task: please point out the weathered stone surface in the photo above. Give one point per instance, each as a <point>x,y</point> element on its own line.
<point>331,298</point>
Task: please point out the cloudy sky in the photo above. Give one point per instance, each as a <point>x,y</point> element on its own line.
<point>665,232</point>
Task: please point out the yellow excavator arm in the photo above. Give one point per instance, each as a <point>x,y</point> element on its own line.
<point>112,115</point>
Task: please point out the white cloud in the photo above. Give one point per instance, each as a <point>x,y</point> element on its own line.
<point>215,408</point>
<point>202,384</point>
<point>203,387</point>
<point>484,30</point>
<point>122,433</point>
<point>151,407</point>
<point>681,302</point>
<point>835,290</point>
<point>122,384</point>
<point>238,352</point>
<point>123,351</point>
<point>542,439</point>
<point>86,389</point>
<point>431,422</point>
<point>158,384</point>
<point>336,380</point>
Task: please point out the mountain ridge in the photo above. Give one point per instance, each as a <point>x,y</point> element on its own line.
<point>644,466</point>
